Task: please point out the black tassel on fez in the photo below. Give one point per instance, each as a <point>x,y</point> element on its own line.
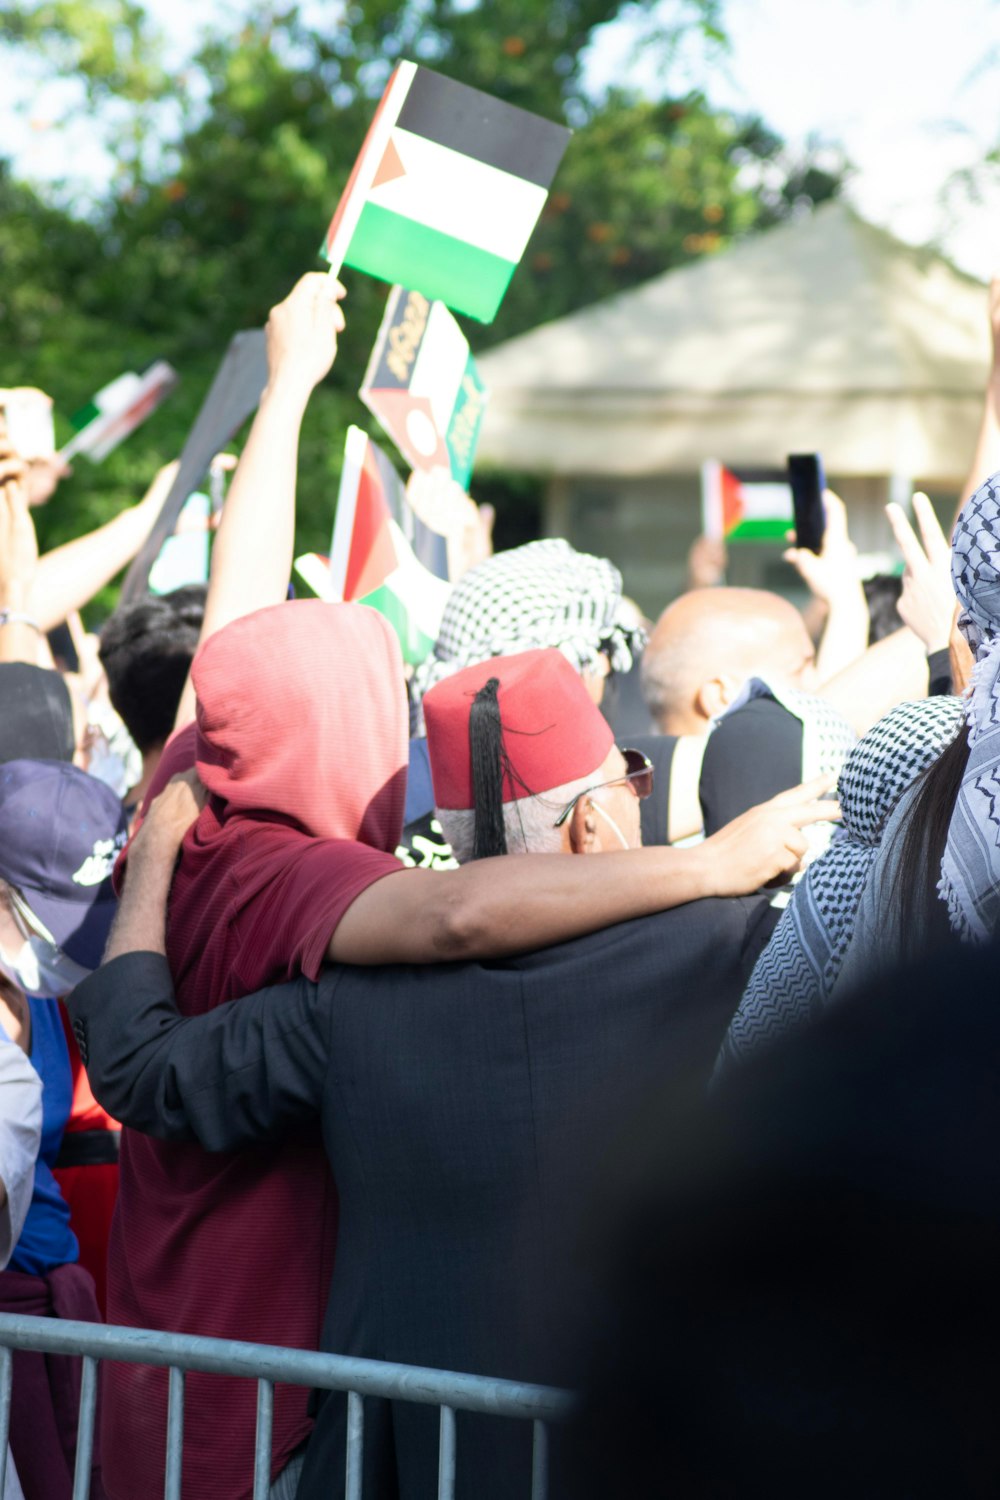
<point>487,757</point>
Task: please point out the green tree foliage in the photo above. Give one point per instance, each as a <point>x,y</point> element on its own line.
<point>201,234</point>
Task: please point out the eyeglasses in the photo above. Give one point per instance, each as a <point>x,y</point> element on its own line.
<point>638,775</point>
<point>28,925</point>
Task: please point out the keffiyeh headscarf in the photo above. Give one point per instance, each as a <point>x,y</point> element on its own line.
<point>970,869</point>
<point>794,977</point>
<point>543,594</point>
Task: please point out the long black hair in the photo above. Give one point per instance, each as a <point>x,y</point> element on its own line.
<point>921,841</point>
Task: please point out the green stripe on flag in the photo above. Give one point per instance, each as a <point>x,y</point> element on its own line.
<point>772,530</point>
<point>415,644</point>
<point>397,249</point>
<point>86,414</point>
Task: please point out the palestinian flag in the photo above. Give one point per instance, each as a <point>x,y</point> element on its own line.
<point>118,409</point>
<point>382,554</point>
<point>446,191</point>
<point>423,386</point>
<point>745,505</point>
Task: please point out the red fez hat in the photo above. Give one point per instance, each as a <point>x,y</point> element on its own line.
<point>550,729</point>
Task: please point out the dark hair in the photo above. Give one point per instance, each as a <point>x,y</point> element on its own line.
<point>922,842</point>
<point>882,596</point>
<point>146,651</point>
<point>486,753</point>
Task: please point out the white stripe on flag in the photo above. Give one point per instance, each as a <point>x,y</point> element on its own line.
<point>765,501</point>
<point>355,447</point>
<point>461,197</point>
<point>440,364</point>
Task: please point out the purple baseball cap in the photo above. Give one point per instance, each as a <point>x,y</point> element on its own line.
<point>60,834</point>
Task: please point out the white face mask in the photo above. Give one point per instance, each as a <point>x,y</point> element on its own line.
<point>609,819</point>
<point>41,970</point>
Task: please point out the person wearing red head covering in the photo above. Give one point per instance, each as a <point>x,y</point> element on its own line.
<point>523,761</point>
<point>301,742</point>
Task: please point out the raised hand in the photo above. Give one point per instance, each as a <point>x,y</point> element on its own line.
<point>835,569</point>
<point>302,332</point>
<point>927,603</point>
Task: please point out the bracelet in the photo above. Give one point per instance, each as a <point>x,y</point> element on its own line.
<point>14,617</point>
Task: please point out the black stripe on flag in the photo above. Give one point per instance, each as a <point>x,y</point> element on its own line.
<point>477,125</point>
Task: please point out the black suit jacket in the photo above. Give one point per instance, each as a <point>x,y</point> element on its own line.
<point>463,1108</point>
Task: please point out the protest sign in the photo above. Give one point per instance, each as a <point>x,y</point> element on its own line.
<point>745,505</point>
<point>445,192</point>
<point>382,554</point>
<point>235,393</point>
<point>117,410</point>
<point>423,386</point>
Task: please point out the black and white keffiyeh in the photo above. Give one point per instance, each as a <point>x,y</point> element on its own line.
<point>543,594</point>
<point>794,977</point>
<point>970,869</point>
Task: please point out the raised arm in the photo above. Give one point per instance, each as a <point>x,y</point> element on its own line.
<point>834,578</point>
<point>244,1072</point>
<point>521,902</point>
<point>986,457</point>
<point>69,576</point>
<point>252,554</point>
<point>20,635</point>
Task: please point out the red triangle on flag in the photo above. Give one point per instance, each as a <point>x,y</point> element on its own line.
<point>390,167</point>
<point>373,554</point>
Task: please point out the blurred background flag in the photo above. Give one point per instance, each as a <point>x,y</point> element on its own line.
<point>118,409</point>
<point>445,192</point>
<point>745,505</point>
<point>423,386</point>
<point>382,554</point>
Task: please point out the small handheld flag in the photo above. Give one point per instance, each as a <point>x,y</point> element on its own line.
<point>445,192</point>
<point>382,554</point>
<point>745,505</point>
<point>423,386</point>
<point>117,410</point>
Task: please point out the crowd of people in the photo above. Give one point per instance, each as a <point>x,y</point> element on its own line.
<point>418,1132</point>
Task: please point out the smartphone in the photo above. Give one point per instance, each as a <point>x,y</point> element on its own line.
<point>807,482</point>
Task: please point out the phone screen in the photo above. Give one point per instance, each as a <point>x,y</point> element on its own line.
<point>807,481</point>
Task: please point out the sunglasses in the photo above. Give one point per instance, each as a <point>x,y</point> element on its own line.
<point>638,775</point>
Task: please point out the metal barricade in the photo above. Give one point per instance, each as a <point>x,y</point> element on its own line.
<point>269,1366</point>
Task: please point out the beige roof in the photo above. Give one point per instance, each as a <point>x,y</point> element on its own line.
<point>825,333</point>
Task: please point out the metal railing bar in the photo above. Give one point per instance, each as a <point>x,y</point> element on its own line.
<point>175,1434</point>
<point>335,1372</point>
<point>446,1455</point>
<point>355,1445</point>
<point>262,1444</point>
<point>540,1462</point>
<point>6,1382</point>
<point>85,1429</point>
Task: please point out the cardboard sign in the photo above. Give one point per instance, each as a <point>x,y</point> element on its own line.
<point>423,386</point>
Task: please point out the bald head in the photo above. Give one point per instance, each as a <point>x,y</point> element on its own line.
<point>708,642</point>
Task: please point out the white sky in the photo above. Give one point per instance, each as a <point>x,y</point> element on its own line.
<point>905,86</point>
